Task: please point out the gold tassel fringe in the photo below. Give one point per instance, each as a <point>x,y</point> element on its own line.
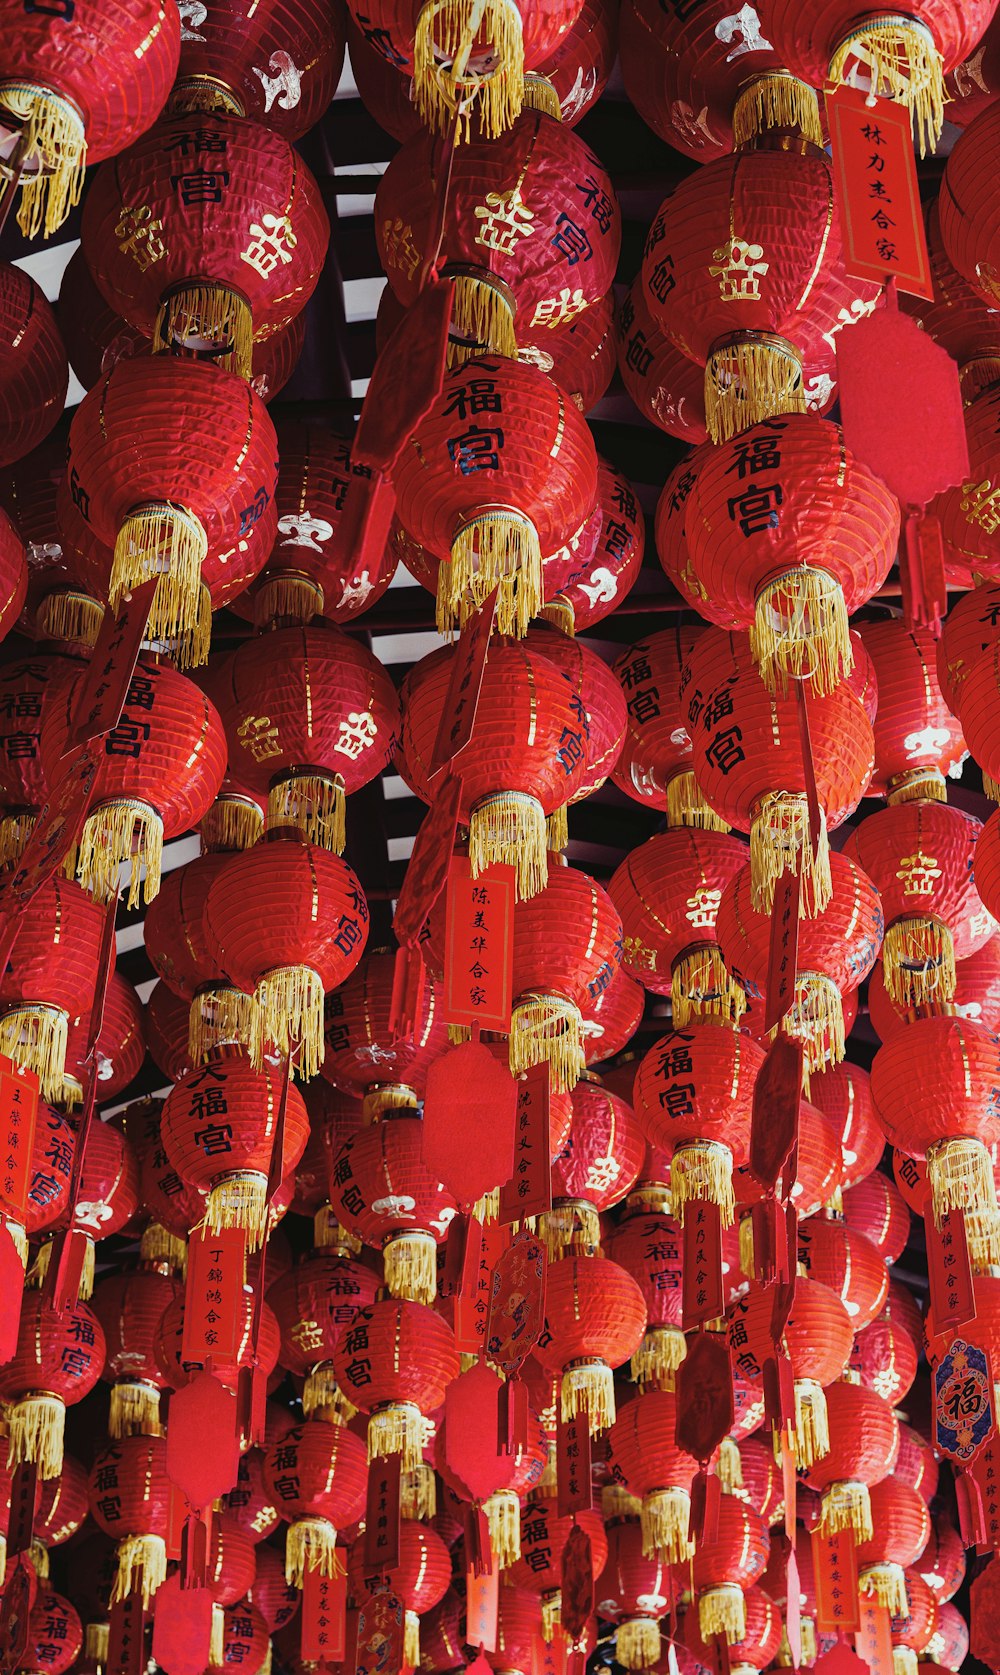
<point>38,1553</point>
<point>122,831</point>
<point>418,1493</point>
<point>780,842</point>
<point>722,1610</point>
<point>142,1566</point>
<point>35,1038</point>
<point>991,789</point>
<point>452,36</point>
<point>487,1208</point>
<point>574,1226</point>
<point>847,1506</point>
<point>548,1028</point>
<point>411,1640</point>
<point>135,1410</point>
<point>509,827</point>
<point>69,616</point>
<point>322,1397</point>
<point>290,999</point>
<point>816,1018</point>
<point>35,1428</point>
<point>410,1265</point>
<point>655,1362</point>
<point>686,805</point>
<point>540,95</point>
<point>239,1200</point>
<point>219,1016</point>
<point>96,1643</point>
<point>918,961</point>
<point>919,785</point>
<point>729,1469</point>
<point>701,985</point>
<point>557,829</point>
<point>328,1234</point>
<point>20,1238</point>
<point>397,1428</point>
<point>287,598</point>
<point>503,1515</point>
<point>616,1502</point>
<point>637,1643</point>
<point>905,67</point>
<point>157,1245</point>
<point>52,132</point>
<point>961,1178</point>
<point>168,542</point>
<point>746,1246</point>
<point>551,1614</point>
<point>314,803</point>
<point>311,1544</point>
<point>888,1583</point>
<point>983,1233</point>
<point>268,1663</point>
<point>561,613</point>
<point>812,1428</point>
<point>777,100</point>
<point>482,317</point>
<point>589,1387</point>
<point>703,1170</point>
<point>217,1637</point>
<point>750,378</point>
<point>801,631</point>
<point>15,830</point>
<point>497,549</point>
<point>905,1661</point>
<point>232,823</point>
<point>207,314</point>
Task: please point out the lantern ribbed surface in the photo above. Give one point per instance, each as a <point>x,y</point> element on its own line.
<point>245,1640</point>
<point>942,1561</point>
<point>394,1363</point>
<point>362,1052</point>
<point>419,1578</point>
<point>864,1442</point>
<point>876,1208</point>
<point>611,1018</point>
<point>231,1562</point>
<point>271,1595</point>
<point>174,930</point>
<point>915,1627</point>
<point>315,1302</point>
<point>130,1501</point>
<point>968,207</point>
<point>590,676</point>
<point>169,1202</point>
<point>918,740</point>
<point>949,1644</point>
<point>644,1456</point>
<point>55,1634</point>
<point>967,634</point>
<point>655,762</point>
<point>383,1193</point>
<point>49,979</point>
<point>671,536</point>
<point>121,1045</point>
<point>755,1647</point>
<point>917,1464</point>
<point>843,1093</point>
<point>316,1475</point>
<point>603,1153</point>
<point>177,1371</point>
<point>544,1535</point>
<point>492,491</point>
<point>647,1244</point>
<point>724,1567</point>
<point>818,1333</point>
<point>83,90</point>
<point>130,1307</point>
<point>595,1317</point>
<point>819,1171</point>
<point>518,1622</point>
<point>847,1263</point>
<point>57,1362</point>
<point>956,316</point>
<point>666,387</point>
<point>632,1591</point>
<point>33,368</point>
<point>885,1355</point>
<point>611,571</point>
<point>30,688</point>
<point>281,62</point>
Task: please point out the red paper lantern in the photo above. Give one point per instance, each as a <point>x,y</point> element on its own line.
<point>843,1093</point>
<point>864,1442</point>
<point>903,58</point>
<point>949,1644</point>
<point>61,1509</point>
<point>595,1318</point>
<point>489,498</point>
<point>49,980</point>
<point>668,893</point>
<point>383,1193</point>
<point>694,1098</point>
<point>667,387</point>
<point>231,1564</point>
<point>748,763</point>
<point>55,1635</point>
<point>419,1579</point>
<point>130,1501</point>
<point>644,1456</point>
<point>942,1562</point>
<point>33,369</point>
<point>363,1056</point>
<point>188,960</point>
<point>885,1355</point>
<point>792,573</point>
<point>78,88</point>
<point>544,1534</point>
<point>917,739</point>
<point>966,512</point>
<point>633,1591</point>
<point>611,1019</point>
<point>817,1339</point>
<point>756,1646</point>
<point>394,1364</point>
<point>107,1197</point>
<point>291,922</point>
<point>757,1476</point>
<point>593,591</point>
<point>589,675</point>
<point>914,1629</point>
<point>723,1568</point>
<point>218,1129</point>
<point>52,1148</point>
<point>596,1168</point>
<point>876,1208</point>
<point>316,1475</point>
<point>848,1263</point>
<point>173,1207</point>
<point>968,632</point>
<point>519,1623</point>
<point>956,316</point>
<point>29,687</point>
<point>130,1307</point>
<point>647,1244</point>
<point>274,1597</point>
<point>175,467</point>
<point>57,1362</point>
<point>280,68</point>
<point>121,1047</point>
<point>655,762</point>
<point>817,1180</point>
<point>917,1464</point>
<point>244,1639</point>
<point>177,1371</point>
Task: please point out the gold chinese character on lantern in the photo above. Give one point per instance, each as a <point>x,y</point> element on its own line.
<point>555,311</point>
<point>981,505</point>
<point>638,953</point>
<point>260,736</point>
<point>271,241</point>
<point>503,219</point>
<point>357,733</point>
<point>138,233</point>
<point>400,250</point>
<point>739,270</point>
<point>703,909</point>
<point>918,874</point>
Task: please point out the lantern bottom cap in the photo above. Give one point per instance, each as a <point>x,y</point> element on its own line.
<point>135,1410</point>
<point>410,1266</point>
<point>312,801</point>
<point>686,805</point>
<point>208,317</point>
<point>498,549</point>
<point>311,1544</point>
<point>124,831</point>
<point>509,827</point>
<point>397,1428</point>
<point>290,999</point>
<point>54,152</point>
<point>637,1643</point>
<point>846,1505</point>
<point>702,1171</point>
<point>887,1581</point>
<point>655,1362</point>
<point>160,539</point>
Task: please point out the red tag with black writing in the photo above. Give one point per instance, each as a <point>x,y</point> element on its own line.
<point>877,193</point>
<point>529,1190</point>
<point>573,1479</point>
<point>127,1636</point>
<point>836,1572</point>
<point>548,1657</point>
<point>701,1289</point>
<point>458,717</point>
<point>985,1474</point>
<point>382,1515</point>
<point>427,869</point>
<point>18,1111</point>
<point>324,1616</point>
<point>873,1640</point>
<point>784,955</point>
<point>213,1299</point>
<point>479,945</point>
<point>953,1297</point>
<point>472,1305</point>
<point>21,1518</point>
<point>481,1603</point>
<point>108,676</point>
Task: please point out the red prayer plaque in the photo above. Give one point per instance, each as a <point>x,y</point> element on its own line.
<point>203,1445</point>
<point>469,1171</point>
<point>213,1299</point>
<point>836,1573</point>
<point>784,954</point>
<point>127,1637</point>
<point>701,1273</point>
<point>18,1112</point>
<point>472,1308</point>
<point>953,1297</point>
<point>775,1124</point>
<point>471,1407</point>
<point>15,1611</point>
<point>182,1627</point>
<point>873,1639</point>
<point>324,1617</point>
<point>21,1519</point>
<point>528,1192</point>
<point>479,946</point>
<point>458,716</point>
<point>380,1636</point>
<point>517,1304</point>
<point>105,685</point>
<point>55,831</point>
<point>574,1484</point>
<point>382,1515</point>
<point>875,171</point>
<point>481,1602</point>
<point>428,867</point>
<point>705,1411</point>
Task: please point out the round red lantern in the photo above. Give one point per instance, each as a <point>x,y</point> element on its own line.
<point>644,1456</point>
<point>75,88</point>
<point>942,1561</point>
<point>885,1355</point>
<point>544,1534</point>
<point>843,1093</point>
<point>501,470</point>
<point>633,1591</point>
<point>49,980</point>
<point>55,1635</point>
<point>864,1442</point>
<point>28,688</point>
<point>723,1568</point>
<point>598,1165</point>
<point>419,1579</point>
<point>383,1193</point>
<point>130,1307</point>
<point>194,506</point>
<point>395,1363</point>
<point>130,1501</point>
<point>281,68</point>
<point>967,634</point>
<point>120,1049</point>
<point>611,1019</point>
<point>647,1244</point>
<point>667,387</point>
<point>949,1644</point>
<point>595,1318</point>
<point>107,1197</point>
<point>170,1346</point>
<point>612,569</point>
<point>519,1621</point>
<point>316,1475</point>
<point>918,741</point>
<point>57,1362</point>
<point>241,1639</point>
<point>913,1629</point>
<point>314,1303</point>
<point>756,1646</point>
<point>877,1208</point>
<point>655,762</point>
<point>52,1148</point>
<point>817,1338</point>
<point>33,369</point>
<point>363,1056</point>
<point>272,1595</point>
<point>290,921</point>
<point>848,1263</point>
<point>188,960</point>
<point>917,1464</point>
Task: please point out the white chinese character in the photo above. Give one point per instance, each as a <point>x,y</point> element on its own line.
<point>746,24</point>
<point>271,241</point>
<point>356,592</point>
<point>969,76</point>
<point>929,741</point>
<point>301,529</point>
<point>602,587</point>
<point>692,125</point>
<point>357,733</point>
<point>284,84</point>
<point>193,14</point>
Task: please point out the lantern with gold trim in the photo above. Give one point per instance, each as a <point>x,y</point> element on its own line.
<point>914,1629</point>
<point>597,1167</point>
<point>188,961</point>
<point>544,1534</point>
<point>33,369</point>
<point>612,569</point>
<point>364,1056</point>
<point>755,1647</point>
<point>170,1345</point>
<point>55,1634</point>
<point>645,1458</point>
<point>817,1338</point>
<point>47,1199</point>
<point>130,1307</point>
<point>634,1592</point>
<point>384,1194</point>
<point>647,1244</point>
<point>886,1353</point>
<point>724,1567</point>
<point>847,1263</point>
<point>395,1363</point>
<point>843,1093</point>
<point>130,1501</point>
<point>602,698</point>
<point>107,1199</point>
<point>918,741</point>
<point>49,980</point>
<point>57,1362</point>
<point>595,1319</point>
<point>864,1442</point>
<point>655,762</point>
<point>316,1474</point>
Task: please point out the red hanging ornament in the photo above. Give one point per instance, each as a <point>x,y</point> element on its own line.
<point>647,1244</point>
<point>55,1634</point>
<point>876,1208</point>
<point>419,1579</point>
<point>363,1056</point>
<point>314,1303</point>
<point>645,1457</point>
<point>817,1339</point>
<point>130,1307</point>
<point>755,1647</point>
<point>918,742</point>
<point>847,1263</point>
<point>942,1560</point>
<point>107,1198</point>
<point>316,1475</point>
<point>864,1442</point>
<point>33,369</point>
<point>395,1364</point>
<point>725,1567</point>
<point>915,1628</point>
<point>597,1167</point>
<point>120,1050</point>
<point>189,963</point>
<point>667,387</point>
<point>885,1355</point>
<point>634,1592</point>
<point>282,70</point>
<point>57,1362</point>
<point>49,980</point>
<point>130,1501</point>
<point>595,1318</point>
<point>843,1093</point>
<point>383,1192</point>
